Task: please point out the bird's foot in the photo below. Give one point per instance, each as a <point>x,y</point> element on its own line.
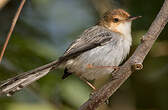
<point>107,101</point>
<point>116,68</point>
<point>92,93</point>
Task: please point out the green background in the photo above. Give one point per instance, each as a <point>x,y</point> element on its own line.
<point>43,32</point>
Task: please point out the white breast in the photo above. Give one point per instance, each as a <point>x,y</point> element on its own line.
<point>107,55</point>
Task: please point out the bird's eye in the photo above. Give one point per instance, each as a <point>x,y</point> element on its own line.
<point>116,20</point>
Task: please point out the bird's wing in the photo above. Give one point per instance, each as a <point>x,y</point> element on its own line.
<point>91,38</point>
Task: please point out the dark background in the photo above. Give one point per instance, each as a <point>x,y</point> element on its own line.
<point>44,30</point>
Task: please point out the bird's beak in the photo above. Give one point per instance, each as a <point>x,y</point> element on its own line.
<point>131,18</point>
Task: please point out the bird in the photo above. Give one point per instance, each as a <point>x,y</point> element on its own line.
<point>97,52</point>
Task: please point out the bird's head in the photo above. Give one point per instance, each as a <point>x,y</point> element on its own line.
<point>117,20</point>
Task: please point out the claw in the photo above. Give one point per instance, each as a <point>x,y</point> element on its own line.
<point>9,94</point>
<point>107,101</point>
<point>91,94</point>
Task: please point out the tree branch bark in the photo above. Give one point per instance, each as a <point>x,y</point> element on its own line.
<point>132,64</point>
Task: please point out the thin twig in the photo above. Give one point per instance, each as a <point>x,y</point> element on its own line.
<point>135,60</point>
<point>11,29</point>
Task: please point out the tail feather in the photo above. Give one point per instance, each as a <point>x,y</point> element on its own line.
<point>16,83</point>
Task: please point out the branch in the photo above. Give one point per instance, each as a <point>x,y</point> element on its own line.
<point>132,64</point>
<point>11,29</point>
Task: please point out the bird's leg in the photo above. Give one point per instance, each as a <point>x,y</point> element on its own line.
<point>93,88</point>
<point>90,66</point>
<point>88,83</point>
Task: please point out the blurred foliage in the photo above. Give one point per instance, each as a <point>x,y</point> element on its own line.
<point>45,29</point>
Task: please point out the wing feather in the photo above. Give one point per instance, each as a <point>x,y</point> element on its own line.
<point>89,39</point>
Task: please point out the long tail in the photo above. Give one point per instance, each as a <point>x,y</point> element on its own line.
<point>22,80</point>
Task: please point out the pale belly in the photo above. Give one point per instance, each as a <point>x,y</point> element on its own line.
<point>99,58</point>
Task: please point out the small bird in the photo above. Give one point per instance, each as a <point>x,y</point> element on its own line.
<point>98,51</point>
